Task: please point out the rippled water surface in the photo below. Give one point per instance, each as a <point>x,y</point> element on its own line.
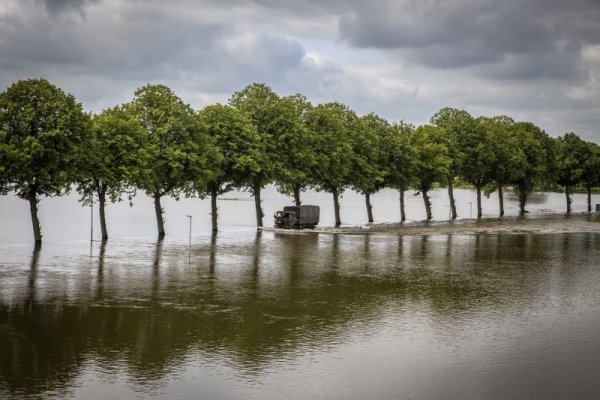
<point>246,315</point>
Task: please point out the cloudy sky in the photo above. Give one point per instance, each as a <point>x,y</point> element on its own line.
<point>535,60</point>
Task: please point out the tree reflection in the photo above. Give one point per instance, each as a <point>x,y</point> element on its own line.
<point>100,273</point>
<point>273,296</point>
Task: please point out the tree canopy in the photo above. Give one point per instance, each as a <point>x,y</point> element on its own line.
<point>240,151</point>
<point>259,103</point>
<point>115,156</point>
<point>179,152</point>
<point>158,144</point>
<point>41,131</point>
<point>332,124</point>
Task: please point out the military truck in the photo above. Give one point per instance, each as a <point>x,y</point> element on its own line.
<point>297,217</point>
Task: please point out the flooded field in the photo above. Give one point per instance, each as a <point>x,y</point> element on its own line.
<point>358,313</point>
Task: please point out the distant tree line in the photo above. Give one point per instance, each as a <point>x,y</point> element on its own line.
<point>160,145</point>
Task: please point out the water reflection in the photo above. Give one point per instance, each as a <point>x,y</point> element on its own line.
<point>272,297</point>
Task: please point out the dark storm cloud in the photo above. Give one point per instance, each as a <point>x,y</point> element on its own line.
<point>460,33</point>
<point>150,43</point>
<point>536,59</point>
<point>56,7</point>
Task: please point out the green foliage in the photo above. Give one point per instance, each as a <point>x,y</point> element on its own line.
<point>331,123</point>
<point>114,156</point>
<point>503,145</point>
<point>530,155</point>
<point>476,151</point>
<point>571,156</point>
<point>159,144</point>
<point>454,124</point>
<point>399,156</point>
<point>241,153</point>
<point>369,159</point>
<point>295,145</point>
<point>591,166</point>
<point>259,104</point>
<point>41,129</point>
<point>432,162</point>
<point>180,156</point>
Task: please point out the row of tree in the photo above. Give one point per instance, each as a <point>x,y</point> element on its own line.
<point>159,144</point>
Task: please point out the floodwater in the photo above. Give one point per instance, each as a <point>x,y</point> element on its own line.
<point>270,315</point>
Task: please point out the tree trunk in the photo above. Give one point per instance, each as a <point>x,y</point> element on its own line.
<point>336,207</point>
<point>427,204</point>
<point>101,204</point>
<point>402,214</point>
<point>160,223</point>
<point>37,232</point>
<point>369,207</point>
<point>213,206</point>
<point>569,201</point>
<point>589,197</point>
<point>479,213</point>
<point>451,197</point>
<point>501,199</point>
<point>522,198</point>
<point>257,205</point>
<point>297,195</point>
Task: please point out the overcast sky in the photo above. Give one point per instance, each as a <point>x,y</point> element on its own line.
<point>535,60</point>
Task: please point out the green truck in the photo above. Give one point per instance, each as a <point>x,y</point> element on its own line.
<point>297,217</point>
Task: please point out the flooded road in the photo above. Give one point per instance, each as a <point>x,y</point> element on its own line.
<point>246,315</point>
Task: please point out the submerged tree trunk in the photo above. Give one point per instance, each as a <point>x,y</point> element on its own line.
<point>297,195</point>
<point>427,204</point>
<point>479,213</point>
<point>501,199</point>
<point>160,223</point>
<point>336,207</point>
<point>451,197</point>
<point>33,207</point>
<point>589,197</point>
<point>569,201</point>
<point>369,207</point>
<point>213,206</point>
<point>402,214</point>
<point>522,198</point>
<point>101,204</point>
<point>257,205</point>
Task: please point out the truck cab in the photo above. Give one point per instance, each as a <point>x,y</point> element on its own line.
<point>285,219</point>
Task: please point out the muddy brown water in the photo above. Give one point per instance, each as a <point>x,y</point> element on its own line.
<point>359,313</point>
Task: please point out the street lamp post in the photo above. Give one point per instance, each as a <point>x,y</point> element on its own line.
<point>190,234</point>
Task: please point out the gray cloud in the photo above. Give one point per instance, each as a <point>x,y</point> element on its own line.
<point>404,59</point>
<point>461,33</point>
<point>56,7</point>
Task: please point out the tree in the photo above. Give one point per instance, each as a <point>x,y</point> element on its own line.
<point>477,156</point>
<point>179,152</point>
<point>503,146</point>
<point>572,152</point>
<point>591,171</point>
<point>295,146</point>
<point>530,159</point>
<point>431,161</point>
<point>368,170</point>
<point>454,124</point>
<point>114,156</point>
<point>330,123</point>
<point>258,103</point>
<point>241,152</point>
<point>41,128</point>
<point>400,158</point>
